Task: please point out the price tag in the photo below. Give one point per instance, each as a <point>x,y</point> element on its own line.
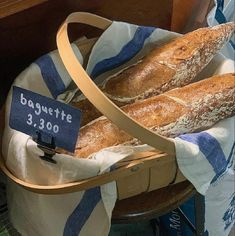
<point>32,113</point>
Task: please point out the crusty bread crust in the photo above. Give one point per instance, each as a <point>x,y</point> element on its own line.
<point>172,65</point>
<point>183,110</point>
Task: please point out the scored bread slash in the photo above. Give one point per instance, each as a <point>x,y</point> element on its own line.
<point>172,65</point>
<point>182,110</point>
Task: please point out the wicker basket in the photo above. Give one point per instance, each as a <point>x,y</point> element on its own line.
<point>137,173</point>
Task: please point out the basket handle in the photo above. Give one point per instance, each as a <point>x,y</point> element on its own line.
<point>94,94</point>
<point>150,158</point>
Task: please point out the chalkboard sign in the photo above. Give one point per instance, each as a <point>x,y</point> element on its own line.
<point>32,113</point>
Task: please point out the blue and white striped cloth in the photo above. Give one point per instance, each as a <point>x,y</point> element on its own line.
<point>207,155</point>
<point>206,158</point>
<point>223,12</point>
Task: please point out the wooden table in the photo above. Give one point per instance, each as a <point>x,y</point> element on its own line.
<point>10,7</point>
<point>150,205</point>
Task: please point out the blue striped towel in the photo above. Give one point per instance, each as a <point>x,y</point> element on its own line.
<point>223,12</point>
<point>206,156</point>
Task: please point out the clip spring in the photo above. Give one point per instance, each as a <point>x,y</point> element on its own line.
<point>47,148</point>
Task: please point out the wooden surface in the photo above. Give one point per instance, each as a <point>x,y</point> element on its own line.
<point>147,206</point>
<point>181,13</point>
<point>149,12</point>
<point>190,14</point>
<point>9,7</point>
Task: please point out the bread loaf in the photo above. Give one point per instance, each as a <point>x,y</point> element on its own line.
<point>173,65</point>
<point>183,110</point>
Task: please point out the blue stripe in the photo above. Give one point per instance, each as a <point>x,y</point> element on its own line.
<point>203,206</point>
<point>210,147</point>
<point>82,212</point>
<point>228,165</point>
<point>220,17</point>
<point>231,156</point>
<point>220,4</point>
<point>50,75</point>
<point>126,53</point>
<point>229,216</point>
<point>232,44</point>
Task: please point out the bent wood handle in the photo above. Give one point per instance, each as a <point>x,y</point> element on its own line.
<point>149,159</point>
<point>94,94</point>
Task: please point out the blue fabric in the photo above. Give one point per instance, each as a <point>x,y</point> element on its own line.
<point>219,16</point>
<point>232,44</point>
<point>127,52</point>
<point>210,147</point>
<point>229,215</point>
<point>206,233</point>
<point>50,75</point>
<point>228,165</point>
<point>82,212</point>
<point>220,4</point>
<point>188,209</point>
<point>173,224</point>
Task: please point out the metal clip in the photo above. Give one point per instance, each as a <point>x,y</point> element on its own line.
<point>47,148</point>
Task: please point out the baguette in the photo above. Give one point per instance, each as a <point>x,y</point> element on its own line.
<point>182,110</point>
<point>175,64</point>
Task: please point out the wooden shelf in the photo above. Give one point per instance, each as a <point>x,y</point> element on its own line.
<point>9,7</point>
